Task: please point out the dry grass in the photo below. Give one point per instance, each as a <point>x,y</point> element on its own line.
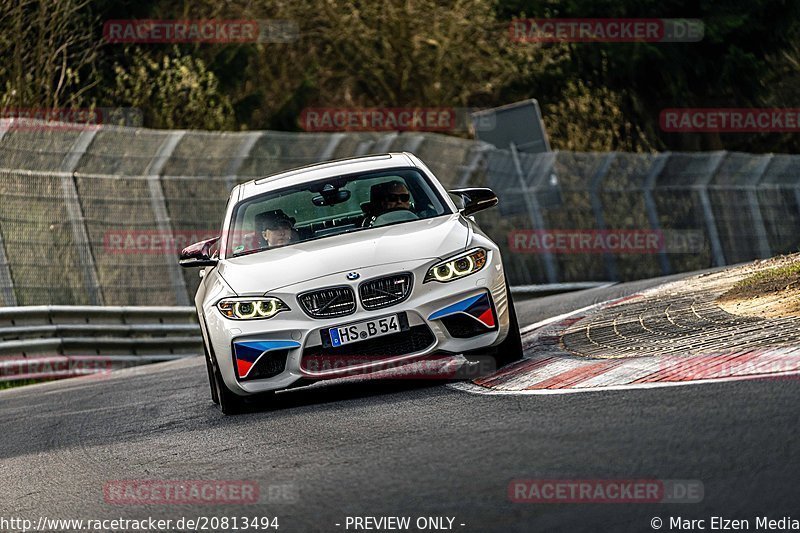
<point>770,292</point>
<point>19,383</point>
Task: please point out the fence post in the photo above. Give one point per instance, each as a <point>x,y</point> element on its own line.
<point>330,148</point>
<point>714,162</point>
<point>764,251</point>
<point>364,147</point>
<point>652,211</point>
<point>385,142</point>
<point>414,143</point>
<point>797,195</point>
<point>534,210</point>
<point>77,222</point>
<point>159,206</point>
<point>597,209</point>
<point>6,281</point>
<point>477,153</point>
<point>241,155</point>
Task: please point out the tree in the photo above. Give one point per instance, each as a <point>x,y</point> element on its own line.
<point>49,52</point>
<point>725,69</point>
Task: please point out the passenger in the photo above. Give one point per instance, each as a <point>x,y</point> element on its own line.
<point>277,228</point>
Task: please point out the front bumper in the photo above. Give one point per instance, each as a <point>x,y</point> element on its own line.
<point>297,338</point>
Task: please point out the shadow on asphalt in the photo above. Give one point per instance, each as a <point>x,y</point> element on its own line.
<point>334,392</point>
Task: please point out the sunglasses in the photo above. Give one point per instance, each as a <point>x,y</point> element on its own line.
<point>392,197</point>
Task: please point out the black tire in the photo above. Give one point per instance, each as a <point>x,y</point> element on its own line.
<point>210,371</point>
<point>510,350</point>
<point>209,359</point>
<point>229,403</point>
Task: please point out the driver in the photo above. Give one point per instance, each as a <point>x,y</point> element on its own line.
<point>387,196</point>
<point>395,196</point>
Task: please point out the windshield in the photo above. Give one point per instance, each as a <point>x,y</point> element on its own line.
<point>332,206</point>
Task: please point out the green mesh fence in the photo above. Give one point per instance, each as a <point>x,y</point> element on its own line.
<point>39,240</point>
<point>98,216</point>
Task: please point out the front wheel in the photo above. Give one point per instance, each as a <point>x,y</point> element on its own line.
<point>229,403</point>
<point>210,371</point>
<point>510,350</point>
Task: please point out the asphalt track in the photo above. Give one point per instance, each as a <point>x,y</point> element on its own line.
<point>402,448</point>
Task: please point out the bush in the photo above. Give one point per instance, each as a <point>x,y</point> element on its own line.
<point>174,91</point>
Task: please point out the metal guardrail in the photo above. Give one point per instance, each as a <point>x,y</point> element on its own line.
<point>55,341</point>
<point>49,312</point>
<point>58,341</point>
<point>553,288</point>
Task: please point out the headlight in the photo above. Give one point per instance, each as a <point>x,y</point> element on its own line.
<point>457,267</point>
<point>251,308</point>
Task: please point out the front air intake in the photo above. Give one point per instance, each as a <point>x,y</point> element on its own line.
<point>329,302</point>
<point>387,291</point>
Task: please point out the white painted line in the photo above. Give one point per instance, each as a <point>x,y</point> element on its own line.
<point>477,389</point>
<point>551,320</point>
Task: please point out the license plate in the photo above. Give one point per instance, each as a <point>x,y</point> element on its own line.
<point>361,331</point>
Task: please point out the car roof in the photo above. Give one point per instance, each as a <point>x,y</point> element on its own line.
<point>325,169</point>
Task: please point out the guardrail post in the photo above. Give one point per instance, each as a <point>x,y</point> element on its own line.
<point>533,207</point>
<point>241,155</point>
<point>717,254</point>
<point>764,251</point>
<point>597,209</point>
<point>77,223</point>
<point>159,206</point>
<point>650,206</point>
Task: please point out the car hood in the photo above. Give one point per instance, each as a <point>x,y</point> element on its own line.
<point>273,269</point>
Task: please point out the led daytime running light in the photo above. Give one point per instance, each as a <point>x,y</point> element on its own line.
<point>449,270</point>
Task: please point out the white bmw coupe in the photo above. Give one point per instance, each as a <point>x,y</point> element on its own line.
<point>343,267</point>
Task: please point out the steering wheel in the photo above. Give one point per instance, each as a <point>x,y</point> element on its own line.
<point>394,215</point>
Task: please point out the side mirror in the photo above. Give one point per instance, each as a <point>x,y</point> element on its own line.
<point>476,199</point>
<point>199,254</point>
